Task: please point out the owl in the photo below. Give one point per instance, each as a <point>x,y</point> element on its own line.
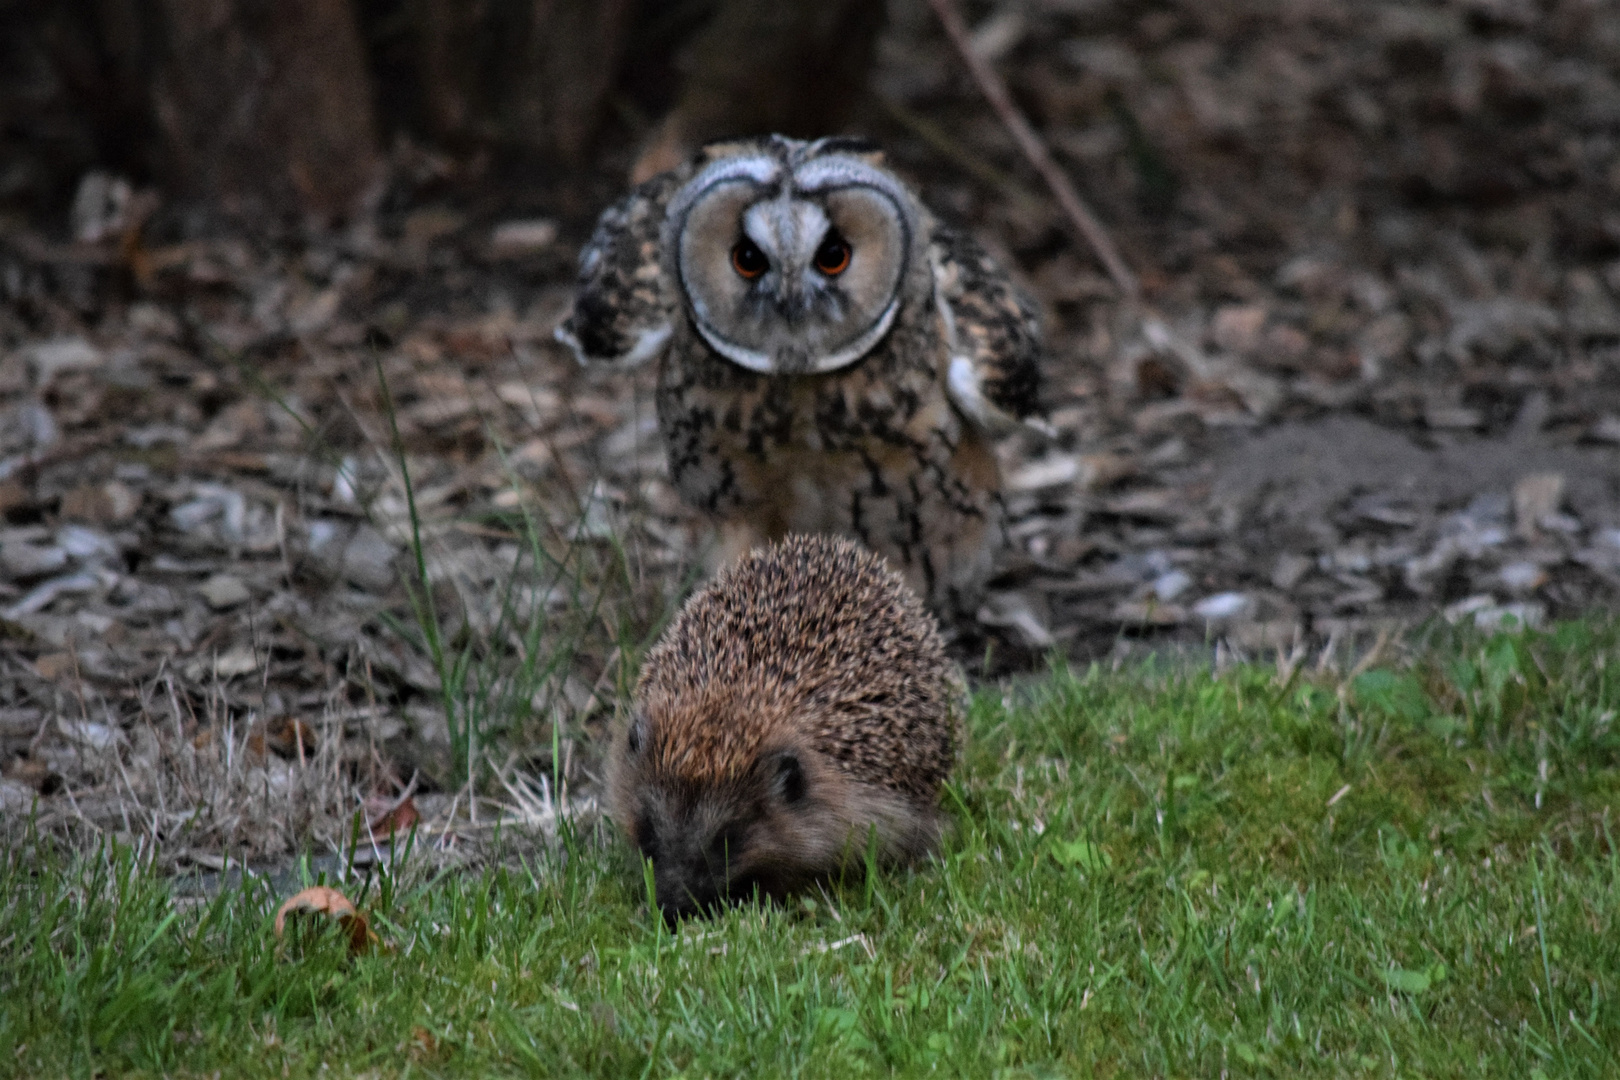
<point>832,358</point>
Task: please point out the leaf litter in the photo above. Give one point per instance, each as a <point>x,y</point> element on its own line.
<point>1380,381</point>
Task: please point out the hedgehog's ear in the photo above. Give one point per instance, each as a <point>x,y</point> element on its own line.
<point>787,777</point>
<point>636,734</point>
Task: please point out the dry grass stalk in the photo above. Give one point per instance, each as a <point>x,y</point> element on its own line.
<point>1035,150</point>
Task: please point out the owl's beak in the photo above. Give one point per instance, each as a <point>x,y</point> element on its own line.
<point>788,230</point>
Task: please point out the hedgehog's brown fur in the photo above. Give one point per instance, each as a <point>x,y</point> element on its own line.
<point>798,706</point>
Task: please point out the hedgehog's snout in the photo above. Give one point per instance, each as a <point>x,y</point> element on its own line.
<point>696,870</point>
<point>698,855</point>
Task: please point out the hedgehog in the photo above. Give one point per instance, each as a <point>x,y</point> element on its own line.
<point>799,711</point>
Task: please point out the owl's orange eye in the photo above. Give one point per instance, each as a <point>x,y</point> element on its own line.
<point>832,257</point>
<point>748,260</point>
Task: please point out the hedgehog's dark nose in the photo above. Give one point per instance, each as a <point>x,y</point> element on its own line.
<point>684,887</point>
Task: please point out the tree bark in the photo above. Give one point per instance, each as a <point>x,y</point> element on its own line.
<point>266,104</point>
<point>569,66</point>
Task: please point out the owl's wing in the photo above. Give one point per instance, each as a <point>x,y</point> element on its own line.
<point>624,304</point>
<point>995,334</point>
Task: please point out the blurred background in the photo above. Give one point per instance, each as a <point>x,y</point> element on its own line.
<point>262,259</point>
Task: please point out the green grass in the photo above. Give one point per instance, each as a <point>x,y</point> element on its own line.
<point>1155,872</point>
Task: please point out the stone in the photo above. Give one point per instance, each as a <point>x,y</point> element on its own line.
<point>1536,496</point>
<point>1224,605</point>
<point>224,591</point>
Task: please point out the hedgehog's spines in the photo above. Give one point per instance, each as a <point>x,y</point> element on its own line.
<point>812,651</point>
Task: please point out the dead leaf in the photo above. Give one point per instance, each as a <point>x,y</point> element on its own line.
<point>101,503</point>
<point>33,772</point>
<point>400,819</point>
<point>288,736</point>
<point>1237,329</point>
<point>421,1046</point>
<point>1149,613</point>
<point>12,495</point>
<point>522,237</point>
<point>322,900</point>
<point>53,666</point>
<point>1535,497</point>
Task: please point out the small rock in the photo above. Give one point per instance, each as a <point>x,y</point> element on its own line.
<point>368,560</point>
<point>1605,430</point>
<point>46,592</point>
<point>28,425</point>
<point>1588,308</point>
<point>1535,497</point>
<point>86,733</point>
<point>1522,577</point>
<point>1522,616</point>
<point>101,207</point>
<point>86,545</point>
<point>1014,611</point>
<point>16,798</point>
<point>1170,585</point>
<point>22,561</point>
<point>224,591</point>
<point>1495,327</point>
<point>1224,605</point>
<point>237,660</point>
<point>1567,524</point>
<point>1289,569</point>
<point>1455,613</point>
<point>51,358</point>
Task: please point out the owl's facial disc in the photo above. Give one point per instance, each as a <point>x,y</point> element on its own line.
<point>784,280</point>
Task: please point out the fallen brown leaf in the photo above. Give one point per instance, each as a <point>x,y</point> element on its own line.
<point>12,495</point>
<point>399,819</point>
<point>421,1046</point>
<point>53,666</point>
<point>322,900</point>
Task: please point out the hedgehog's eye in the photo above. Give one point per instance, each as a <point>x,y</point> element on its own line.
<point>646,839</point>
<point>632,737</point>
<point>788,783</point>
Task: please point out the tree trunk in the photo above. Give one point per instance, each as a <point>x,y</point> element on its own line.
<point>566,72</point>
<point>266,104</point>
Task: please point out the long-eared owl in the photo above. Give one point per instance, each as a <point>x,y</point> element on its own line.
<point>833,359</point>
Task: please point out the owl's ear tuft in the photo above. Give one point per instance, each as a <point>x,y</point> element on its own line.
<point>855,146</point>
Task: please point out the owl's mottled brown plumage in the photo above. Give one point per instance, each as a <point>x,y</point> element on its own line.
<point>798,703</point>
<point>858,399</point>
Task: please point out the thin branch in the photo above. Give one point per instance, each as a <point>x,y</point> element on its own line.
<point>1034,148</point>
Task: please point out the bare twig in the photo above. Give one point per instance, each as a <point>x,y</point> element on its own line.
<point>1034,148</point>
